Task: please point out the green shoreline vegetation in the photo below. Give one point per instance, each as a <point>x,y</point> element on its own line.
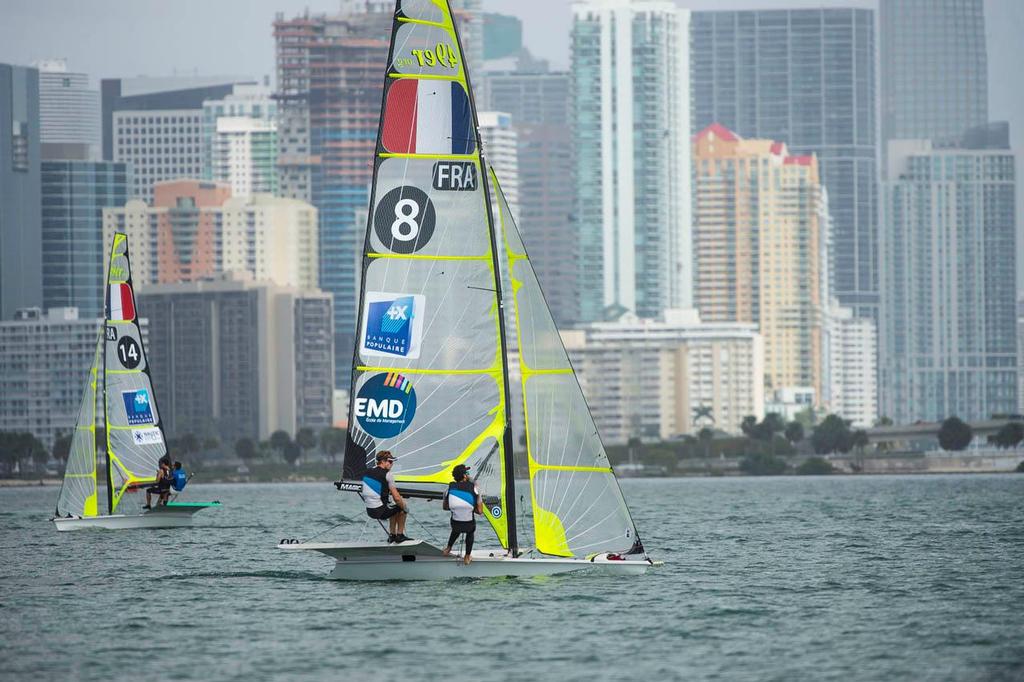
<point>770,447</point>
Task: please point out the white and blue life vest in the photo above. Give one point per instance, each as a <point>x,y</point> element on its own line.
<point>376,488</point>
<point>462,497</point>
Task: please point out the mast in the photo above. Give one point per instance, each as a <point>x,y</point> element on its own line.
<point>103,364</point>
<point>509,458</point>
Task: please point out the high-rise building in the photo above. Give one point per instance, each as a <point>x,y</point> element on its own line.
<point>160,133</point>
<point>246,101</point>
<point>21,278</point>
<point>934,68</point>
<point>244,155</point>
<point>851,350</point>
<point>239,140</point>
<point>656,379</point>
<point>155,94</point>
<point>74,194</point>
<point>44,364</point>
<point>235,358</point>
<point>330,77</point>
<point>759,229</point>
<point>806,77</point>
<point>501,149</point>
<point>195,229</point>
<point>948,260</point>
<point>69,113</point>
<point>1020,354</point>
<point>539,105</point>
<point>630,117</point>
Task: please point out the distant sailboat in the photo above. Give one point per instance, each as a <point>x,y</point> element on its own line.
<point>134,440</point>
<point>431,379</point>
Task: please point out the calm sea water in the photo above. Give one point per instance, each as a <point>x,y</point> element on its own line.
<point>894,578</point>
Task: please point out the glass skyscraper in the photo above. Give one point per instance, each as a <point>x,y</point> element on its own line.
<point>948,335</point>
<point>806,78</point>
<point>539,105</point>
<point>74,194</point>
<point>934,68</point>
<point>21,279</point>
<point>629,84</point>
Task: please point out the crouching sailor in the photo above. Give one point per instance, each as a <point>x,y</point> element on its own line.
<point>462,499</point>
<point>378,486</point>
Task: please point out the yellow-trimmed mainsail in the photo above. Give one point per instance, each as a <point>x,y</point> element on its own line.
<point>78,492</point>
<point>134,435</point>
<point>578,508</point>
<point>429,376</point>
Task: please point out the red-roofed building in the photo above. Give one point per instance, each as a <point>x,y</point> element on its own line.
<point>760,234</point>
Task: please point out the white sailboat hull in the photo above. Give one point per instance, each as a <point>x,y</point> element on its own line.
<point>415,560</point>
<point>174,515</point>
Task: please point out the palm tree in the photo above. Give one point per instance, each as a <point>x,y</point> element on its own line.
<point>703,412</point>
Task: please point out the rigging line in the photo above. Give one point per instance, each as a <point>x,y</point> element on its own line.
<point>343,521</point>
<point>584,533</point>
<point>565,444</point>
<point>426,398</point>
<point>468,389</point>
<point>444,437</point>
<point>420,523</point>
<point>438,306</point>
<point>580,517</point>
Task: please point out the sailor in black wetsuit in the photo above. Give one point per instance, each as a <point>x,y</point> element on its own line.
<point>378,485</point>
<point>162,486</point>
<point>463,500</point>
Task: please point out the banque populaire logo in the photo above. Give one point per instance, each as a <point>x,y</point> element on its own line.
<point>392,324</point>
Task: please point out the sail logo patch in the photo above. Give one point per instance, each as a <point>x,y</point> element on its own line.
<point>150,436</point>
<point>385,405</point>
<point>404,219</point>
<point>427,117</point>
<point>454,176</point>
<point>137,406</point>
<point>392,324</point>
<point>122,304</point>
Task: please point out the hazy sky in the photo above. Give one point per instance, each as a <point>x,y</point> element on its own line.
<point>109,38</point>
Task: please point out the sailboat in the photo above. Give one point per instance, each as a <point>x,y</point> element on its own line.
<point>120,382</point>
<point>453,331</point>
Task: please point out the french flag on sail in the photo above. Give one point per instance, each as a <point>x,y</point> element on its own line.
<point>122,305</point>
<point>428,117</point>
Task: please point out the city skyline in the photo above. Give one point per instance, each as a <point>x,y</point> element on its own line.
<point>49,28</point>
<point>812,81</point>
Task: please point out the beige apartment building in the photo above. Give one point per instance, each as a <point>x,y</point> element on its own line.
<point>196,229</point>
<point>760,249</point>
<point>657,379</point>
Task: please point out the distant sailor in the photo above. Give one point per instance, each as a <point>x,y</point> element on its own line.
<point>162,487</point>
<point>378,485</point>
<point>463,500</point>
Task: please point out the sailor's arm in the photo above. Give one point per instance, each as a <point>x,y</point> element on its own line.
<point>395,495</point>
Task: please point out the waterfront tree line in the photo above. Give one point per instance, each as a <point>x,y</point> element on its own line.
<point>763,447</point>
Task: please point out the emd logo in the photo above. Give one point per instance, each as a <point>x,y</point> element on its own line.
<point>385,405</point>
